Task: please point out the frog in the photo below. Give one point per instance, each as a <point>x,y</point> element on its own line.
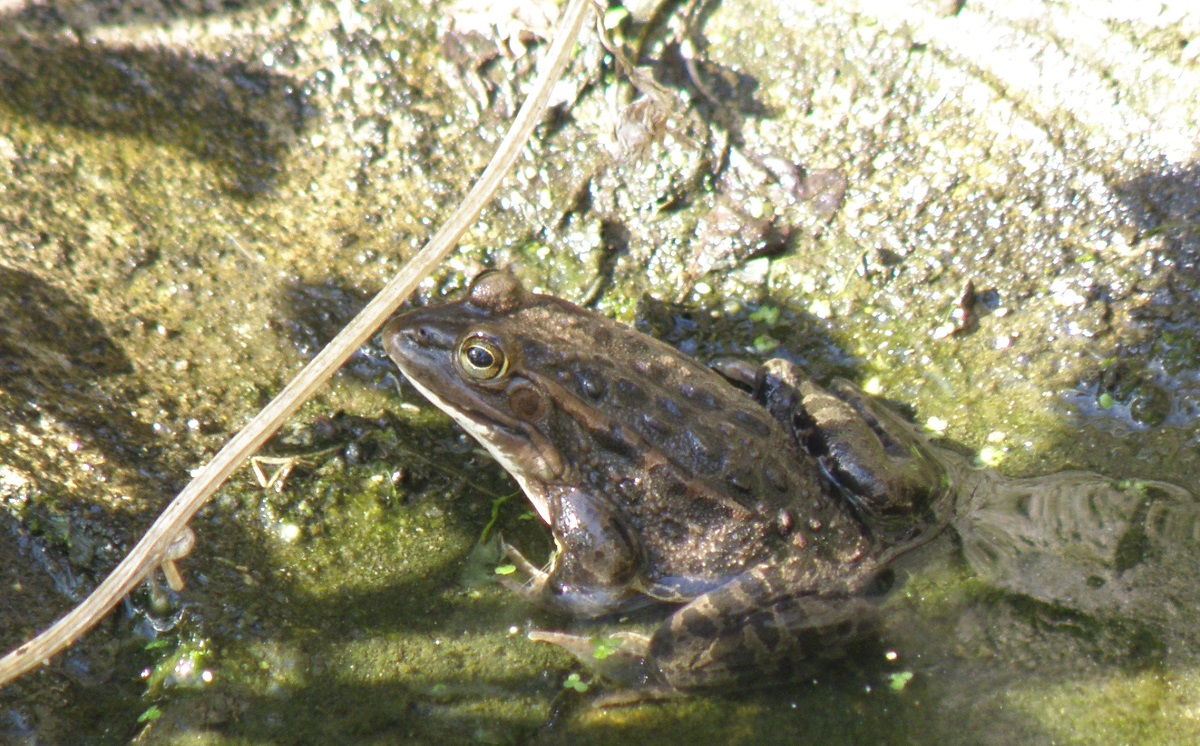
<point>762,510</point>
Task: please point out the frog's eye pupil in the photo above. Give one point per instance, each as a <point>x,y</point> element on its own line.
<point>480,357</point>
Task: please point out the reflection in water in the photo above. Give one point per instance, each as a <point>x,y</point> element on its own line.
<point>1115,550</point>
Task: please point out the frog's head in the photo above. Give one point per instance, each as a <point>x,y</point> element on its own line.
<point>466,358</point>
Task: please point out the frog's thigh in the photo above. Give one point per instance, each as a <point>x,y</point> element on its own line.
<point>741,633</point>
<point>866,448</point>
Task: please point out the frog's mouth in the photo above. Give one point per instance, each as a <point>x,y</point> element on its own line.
<point>523,452</point>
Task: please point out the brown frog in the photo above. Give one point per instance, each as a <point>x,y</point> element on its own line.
<point>764,511</point>
<point>661,480</point>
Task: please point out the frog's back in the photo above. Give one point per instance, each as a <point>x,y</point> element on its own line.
<point>712,431</point>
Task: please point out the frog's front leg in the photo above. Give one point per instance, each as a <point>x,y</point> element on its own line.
<point>596,563</point>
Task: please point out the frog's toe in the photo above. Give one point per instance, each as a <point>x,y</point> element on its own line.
<point>532,587</point>
<point>529,590</point>
<point>526,567</point>
<point>619,657</point>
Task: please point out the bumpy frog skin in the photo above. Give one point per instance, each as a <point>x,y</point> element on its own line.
<point>765,517</point>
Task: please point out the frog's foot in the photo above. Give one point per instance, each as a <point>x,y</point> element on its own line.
<point>620,657</point>
<point>546,588</point>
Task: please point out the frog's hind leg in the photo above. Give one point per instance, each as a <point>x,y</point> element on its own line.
<point>749,632</point>
<point>880,462</point>
<point>779,621</point>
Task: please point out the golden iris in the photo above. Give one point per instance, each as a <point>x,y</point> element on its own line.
<point>481,358</point>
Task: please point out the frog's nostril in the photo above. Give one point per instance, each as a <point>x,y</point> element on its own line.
<point>415,333</point>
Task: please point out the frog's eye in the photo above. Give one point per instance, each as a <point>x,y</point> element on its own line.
<point>481,358</point>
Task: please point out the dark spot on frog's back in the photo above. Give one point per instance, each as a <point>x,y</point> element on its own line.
<point>630,393</point>
<point>699,395</point>
<point>754,424</point>
<point>741,478</point>
<point>657,426</point>
<point>709,456</point>
<point>617,441</point>
<point>591,384</point>
<point>669,408</point>
<point>776,479</point>
<point>668,484</point>
<point>672,529</point>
